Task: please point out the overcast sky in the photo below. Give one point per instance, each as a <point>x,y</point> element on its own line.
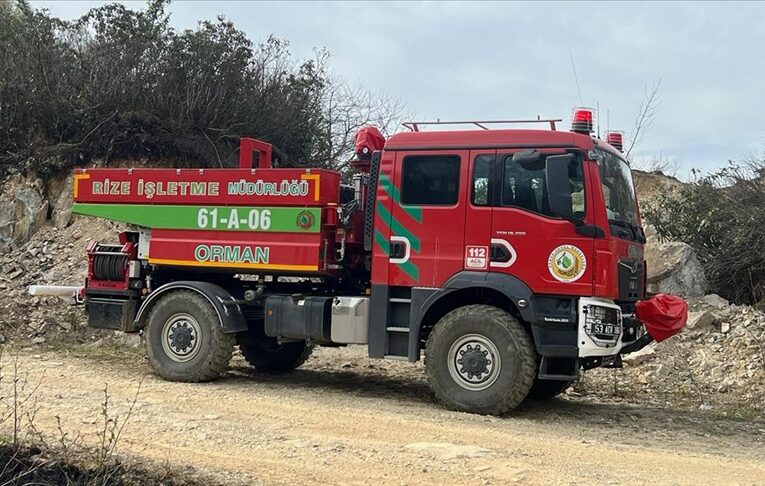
<point>513,60</point>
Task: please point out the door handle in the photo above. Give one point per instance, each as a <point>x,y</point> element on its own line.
<point>397,249</point>
<point>498,253</point>
<point>400,249</point>
<point>501,253</point>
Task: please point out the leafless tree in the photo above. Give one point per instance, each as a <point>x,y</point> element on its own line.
<point>657,163</point>
<point>646,115</point>
<point>349,107</point>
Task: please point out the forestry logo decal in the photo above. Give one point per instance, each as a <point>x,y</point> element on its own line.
<point>305,220</point>
<point>567,263</point>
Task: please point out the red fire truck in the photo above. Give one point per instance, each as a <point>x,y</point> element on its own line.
<point>511,258</point>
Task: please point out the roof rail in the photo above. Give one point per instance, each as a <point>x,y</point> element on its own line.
<point>415,126</point>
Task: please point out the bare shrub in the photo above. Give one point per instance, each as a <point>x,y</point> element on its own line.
<point>722,216</point>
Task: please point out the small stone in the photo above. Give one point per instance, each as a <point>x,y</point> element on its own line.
<point>725,327</point>
<point>131,340</point>
<point>716,301</point>
<point>346,365</point>
<point>638,357</point>
<point>38,340</point>
<point>699,320</point>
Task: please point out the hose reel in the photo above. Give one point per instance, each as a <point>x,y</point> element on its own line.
<point>108,262</point>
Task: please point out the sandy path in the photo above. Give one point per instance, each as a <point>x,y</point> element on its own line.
<point>348,420</point>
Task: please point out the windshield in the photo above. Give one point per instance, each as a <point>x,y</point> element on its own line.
<point>618,190</point>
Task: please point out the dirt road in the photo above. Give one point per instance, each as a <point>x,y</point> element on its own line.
<point>343,419</point>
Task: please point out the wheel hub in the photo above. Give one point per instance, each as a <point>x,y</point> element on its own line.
<point>474,362</point>
<point>474,359</point>
<point>181,337</point>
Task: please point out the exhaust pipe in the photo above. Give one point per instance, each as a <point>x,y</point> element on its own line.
<point>75,295</point>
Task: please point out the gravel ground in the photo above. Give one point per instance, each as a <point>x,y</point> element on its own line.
<point>345,419</point>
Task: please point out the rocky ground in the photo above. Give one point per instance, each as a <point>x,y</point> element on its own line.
<point>716,364</point>
<point>53,256</point>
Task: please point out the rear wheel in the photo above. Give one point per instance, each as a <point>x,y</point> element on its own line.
<point>547,389</point>
<point>265,353</point>
<point>479,359</point>
<point>184,338</point>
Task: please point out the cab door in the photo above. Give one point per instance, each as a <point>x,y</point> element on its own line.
<point>478,215</point>
<point>545,251</point>
<point>427,217</point>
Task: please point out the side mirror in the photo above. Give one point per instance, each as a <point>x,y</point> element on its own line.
<point>559,187</point>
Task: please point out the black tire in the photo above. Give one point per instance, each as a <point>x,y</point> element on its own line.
<point>547,389</point>
<point>264,353</point>
<point>185,317</point>
<point>507,381</point>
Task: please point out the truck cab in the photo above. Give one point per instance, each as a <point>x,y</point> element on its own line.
<point>542,224</point>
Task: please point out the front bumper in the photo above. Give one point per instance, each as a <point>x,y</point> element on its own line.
<point>604,329</point>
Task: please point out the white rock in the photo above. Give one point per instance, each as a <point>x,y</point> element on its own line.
<point>699,320</point>
<point>638,357</point>
<point>716,301</point>
<point>674,268</point>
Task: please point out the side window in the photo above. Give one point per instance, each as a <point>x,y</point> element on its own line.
<point>526,187</point>
<point>430,179</point>
<point>481,178</point>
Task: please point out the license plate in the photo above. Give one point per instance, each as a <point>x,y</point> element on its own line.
<point>606,329</point>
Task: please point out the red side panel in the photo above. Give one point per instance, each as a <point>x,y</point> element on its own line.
<point>280,220</point>
<point>382,220</point>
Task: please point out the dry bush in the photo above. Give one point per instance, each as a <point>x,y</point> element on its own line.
<point>122,83</point>
<point>29,456</point>
<point>722,216</point>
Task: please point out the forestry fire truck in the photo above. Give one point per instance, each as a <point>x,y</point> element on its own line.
<point>513,258</point>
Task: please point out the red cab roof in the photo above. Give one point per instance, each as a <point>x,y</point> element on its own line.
<point>508,138</point>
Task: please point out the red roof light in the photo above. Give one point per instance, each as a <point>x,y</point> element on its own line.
<point>616,140</point>
<point>582,121</point>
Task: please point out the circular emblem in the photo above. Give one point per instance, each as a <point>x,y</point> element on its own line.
<point>567,263</point>
<point>305,220</point>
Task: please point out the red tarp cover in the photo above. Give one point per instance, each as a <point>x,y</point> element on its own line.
<point>371,138</point>
<point>663,315</point>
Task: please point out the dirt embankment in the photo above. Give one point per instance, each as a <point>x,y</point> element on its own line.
<point>344,419</point>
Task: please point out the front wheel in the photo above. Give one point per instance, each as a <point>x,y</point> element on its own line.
<point>184,338</point>
<point>479,359</point>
